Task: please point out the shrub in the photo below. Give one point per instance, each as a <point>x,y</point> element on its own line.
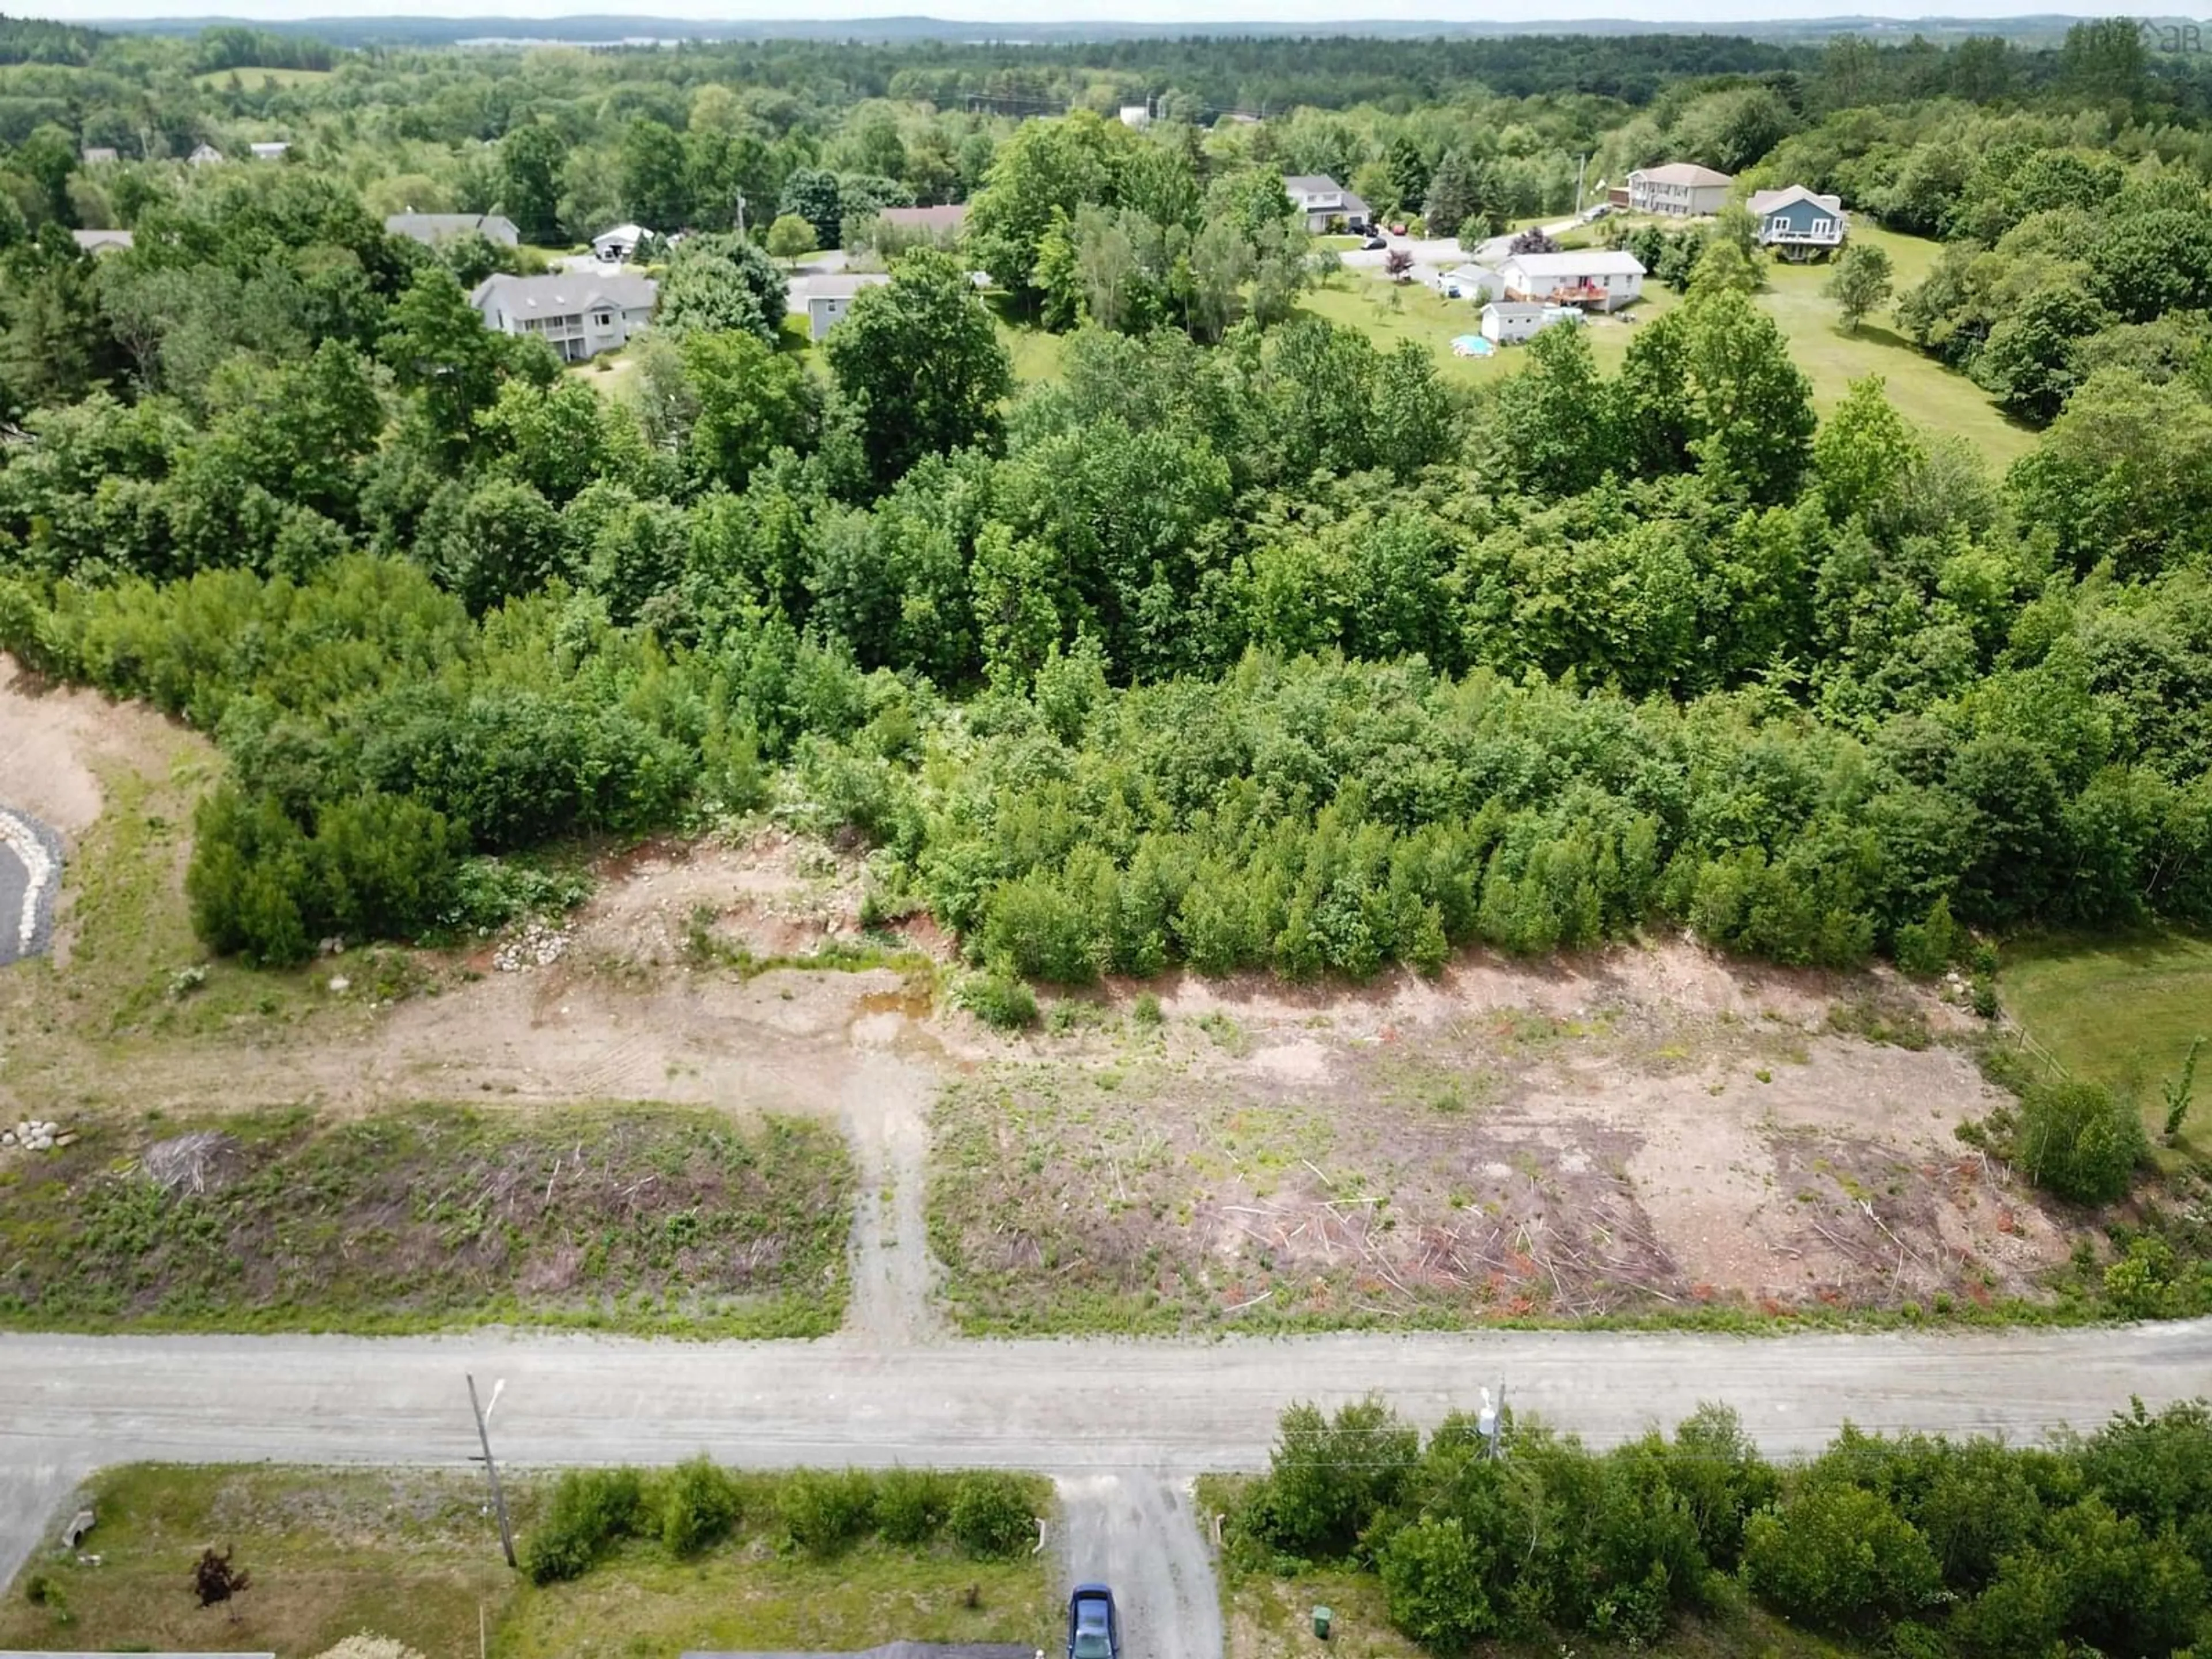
<point>823,1511</point>
<point>1434,1582</point>
<point>998,1000</point>
<point>2079,1142</point>
<point>591,1511</point>
<point>1924,949</point>
<point>911,1505</point>
<point>1326,1481</point>
<point>1839,1558</point>
<point>698,1506</point>
<point>990,1514</point>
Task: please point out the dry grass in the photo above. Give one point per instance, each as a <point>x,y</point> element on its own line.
<point>413,1554</point>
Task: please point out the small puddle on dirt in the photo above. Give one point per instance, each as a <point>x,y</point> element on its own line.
<point>896,1020</point>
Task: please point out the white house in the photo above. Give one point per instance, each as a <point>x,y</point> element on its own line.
<point>1683,188</point>
<point>431,228</point>
<point>1797,223</point>
<point>824,300</point>
<point>270,152</point>
<point>1505,322</point>
<point>1139,116</point>
<point>1322,202</point>
<point>1470,281</point>
<point>1595,279</point>
<point>101,241</point>
<point>579,314</point>
<point>614,246</point>
<point>205,156</point>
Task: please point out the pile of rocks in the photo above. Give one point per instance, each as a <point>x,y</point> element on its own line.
<point>536,943</point>
<point>33,1135</point>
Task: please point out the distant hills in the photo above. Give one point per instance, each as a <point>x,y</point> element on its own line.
<point>2031,29</point>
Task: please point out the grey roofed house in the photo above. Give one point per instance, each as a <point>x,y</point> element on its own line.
<point>579,314</point>
<point>95,154</point>
<point>433,227</point>
<point>824,300</point>
<point>1320,199</point>
<point>205,156</point>
<point>101,241</point>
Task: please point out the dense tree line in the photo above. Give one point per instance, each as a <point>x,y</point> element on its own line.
<point>1241,642</point>
<point>1918,1544</point>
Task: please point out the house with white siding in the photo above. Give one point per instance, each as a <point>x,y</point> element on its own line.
<point>1592,279</point>
<point>579,314</point>
<point>1682,190</point>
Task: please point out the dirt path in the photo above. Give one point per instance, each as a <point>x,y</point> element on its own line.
<point>884,1111</point>
<point>1135,1530</point>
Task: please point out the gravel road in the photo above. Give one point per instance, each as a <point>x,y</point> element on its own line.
<point>30,874</point>
<point>1122,1424</point>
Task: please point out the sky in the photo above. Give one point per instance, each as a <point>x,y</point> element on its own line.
<point>1196,15</point>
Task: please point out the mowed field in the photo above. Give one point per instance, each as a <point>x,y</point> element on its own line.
<point>2120,1012</point>
<point>1923,389</point>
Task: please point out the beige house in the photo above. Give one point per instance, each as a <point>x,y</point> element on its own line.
<point>1682,189</point>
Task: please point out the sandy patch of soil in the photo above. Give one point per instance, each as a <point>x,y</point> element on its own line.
<point>53,739</point>
<point>1646,1129</point>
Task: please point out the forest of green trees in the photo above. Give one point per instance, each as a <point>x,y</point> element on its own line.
<point>1239,641</point>
<point>1917,1545</point>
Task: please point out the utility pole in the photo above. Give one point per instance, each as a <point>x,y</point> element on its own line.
<point>1582,168</point>
<point>491,1469</point>
<point>741,213</point>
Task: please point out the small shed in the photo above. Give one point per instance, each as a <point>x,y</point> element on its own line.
<point>825,298</point>
<point>1470,281</point>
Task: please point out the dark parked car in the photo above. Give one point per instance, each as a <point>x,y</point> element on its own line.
<point>1094,1629</point>
<point>1373,243</point>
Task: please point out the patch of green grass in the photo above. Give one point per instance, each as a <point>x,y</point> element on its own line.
<point>412,1554</point>
<point>2119,1012</point>
<point>1037,354</point>
<point>634,1219</point>
<point>1923,389</point>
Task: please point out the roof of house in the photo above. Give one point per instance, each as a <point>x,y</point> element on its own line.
<point>430,226</point>
<point>831,285</point>
<point>621,234</point>
<point>571,291</point>
<point>94,153</point>
<point>92,240</point>
<point>1312,184</point>
<point>1763,202</point>
<point>1682,173</point>
<point>269,148</point>
<point>205,153</point>
<point>1585,262</point>
<point>1517,307</point>
<point>951,216</point>
<point>1473,273</point>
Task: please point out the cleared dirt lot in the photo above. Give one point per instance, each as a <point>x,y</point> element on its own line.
<point>1647,1130</point>
<point>1639,1132</point>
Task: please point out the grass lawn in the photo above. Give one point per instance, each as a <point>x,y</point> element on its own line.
<point>1036,353</point>
<point>253,79</point>
<point>1922,389</point>
<point>2119,1012</point>
<point>659,1220</point>
<point>412,1554</point>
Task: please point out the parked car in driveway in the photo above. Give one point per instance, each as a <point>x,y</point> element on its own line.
<point>1374,244</point>
<point>1094,1627</point>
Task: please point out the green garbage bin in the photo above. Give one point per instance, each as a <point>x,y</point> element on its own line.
<point>1323,1619</point>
